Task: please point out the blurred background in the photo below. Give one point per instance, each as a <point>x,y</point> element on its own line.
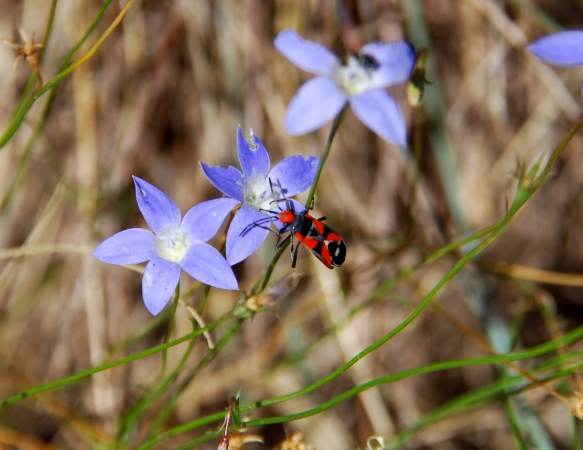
<point>166,90</point>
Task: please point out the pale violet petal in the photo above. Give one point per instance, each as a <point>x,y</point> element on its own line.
<point>244,235</point>
<point>562,49</point>
<point>253,157</point>
<point>227,180</point>
<point>160,212</point>
<point>207,265</point>
<point>160,280</point>
<point>392,62</point>
<point>131,246</point>
<point>381,113</point>
<point>316,103</point>
<point>306,54</point>
<point>294,174</point>
<point>202,222</point>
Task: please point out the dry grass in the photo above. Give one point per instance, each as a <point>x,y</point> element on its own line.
<point>167,90</point>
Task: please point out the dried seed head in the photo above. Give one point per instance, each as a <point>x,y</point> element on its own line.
<point>575,403</point>
<point>28,51</point>
<point>294,442</point>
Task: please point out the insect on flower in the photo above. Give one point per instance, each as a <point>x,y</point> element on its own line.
<point>324,242</point>
<point>251,189</point>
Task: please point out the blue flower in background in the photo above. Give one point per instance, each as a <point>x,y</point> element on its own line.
<point>361,82</point>
<point>172,245</point>
<point>562,49</point>
<point>255,188</point>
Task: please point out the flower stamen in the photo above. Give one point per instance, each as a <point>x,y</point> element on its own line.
<point>356,77</point>
<point>172,246</point>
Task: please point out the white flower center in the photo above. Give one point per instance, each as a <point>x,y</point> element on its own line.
<point>171,245</point>
<point>355,77</point>
<point>259,194</point>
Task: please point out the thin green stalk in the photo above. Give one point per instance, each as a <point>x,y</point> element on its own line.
<point>487,394</point>
<point>523,195</point>
<point>146,331</point>
<point>496,359</point>
<point>387,285</point>
<point>66,61</point>
<point>170,327</point>
<point>110,365</point>
<point>138,409</point>
<point>189,426</point>
<point>170,405</point>
<point>450,274</point>
<point>18,116</point>
<point>576,423</point>
<point>26,156</point>
<point>262,282</point>
<point>325,154</point>
<point>514,426</point>
<point>205,296</point>
<point>384,289</point>
<point>483,394</point>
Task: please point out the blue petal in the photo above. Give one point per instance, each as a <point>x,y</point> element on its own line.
<point>243,238</point>
<point>382,114</point>
<point>395,62</point>
<point>316,103</point>
<point>227,180</point>
<point>294,174</point>
<point>160,279</point>
<point>306,54</point>
<point>206,264</point>
<point>562,49</point>
<point>160,212</point>
<point>203,221</point>
<point>131,246</point>
<point>253,158</point>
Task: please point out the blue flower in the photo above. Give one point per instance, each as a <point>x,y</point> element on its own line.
<point>562,49</point>
<point>255,188</point>
<point>172,245</point>
<point>361,82</point>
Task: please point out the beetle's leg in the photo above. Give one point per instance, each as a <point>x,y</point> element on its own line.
<point>282,243</point>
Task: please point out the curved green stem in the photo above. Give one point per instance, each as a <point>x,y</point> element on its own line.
<point>524,193</point>
<point>325,154</point>
<point>110,365</point>
<point>495,389</point>
<point>171,404</point>
<point>19,114</point>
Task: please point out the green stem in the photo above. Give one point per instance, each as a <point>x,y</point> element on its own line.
<point>576,423</point>
<point>498,388</point>
<point>262,282</point>
<point>384,380</point>
<point>170,327</point>
<point>514,426</point>
<point>523,194</point>
<point>171,404</point>
<point>119,362</point>
<point>137,411</point>
<point>325,154</point>
<point>19,114</point>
